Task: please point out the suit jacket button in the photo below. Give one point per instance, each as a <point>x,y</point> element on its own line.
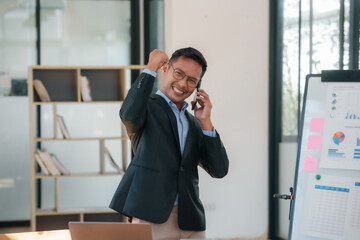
<point>181,169</point>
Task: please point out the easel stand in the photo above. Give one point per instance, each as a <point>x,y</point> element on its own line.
<point>286,197</point>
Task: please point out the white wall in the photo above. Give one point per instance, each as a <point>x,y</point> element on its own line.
<point>233,35</point>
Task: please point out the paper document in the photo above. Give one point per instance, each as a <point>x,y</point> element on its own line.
<point>332,208</point>
<point>341,140</point>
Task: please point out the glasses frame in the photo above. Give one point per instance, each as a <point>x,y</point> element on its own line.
<point>183,75</point>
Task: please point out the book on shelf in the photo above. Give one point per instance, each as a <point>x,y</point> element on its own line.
<point>41,91</point>
<point>48,162</point>
<point>112,161</point>
<point>85,89</point>
<point>41,164</point>
<point>63,170</point>
<point>63,127</point>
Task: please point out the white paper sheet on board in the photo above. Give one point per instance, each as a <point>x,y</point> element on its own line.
<point>341,140</point>
<point>332,208</point>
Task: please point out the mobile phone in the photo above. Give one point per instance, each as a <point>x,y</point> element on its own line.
<point>195,95</point>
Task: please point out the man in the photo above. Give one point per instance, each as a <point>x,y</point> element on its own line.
<point>160,186</point>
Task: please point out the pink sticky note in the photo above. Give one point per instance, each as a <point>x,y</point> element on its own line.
<point>317,125</point>
<point>314,142</point>
<point>310,164</point>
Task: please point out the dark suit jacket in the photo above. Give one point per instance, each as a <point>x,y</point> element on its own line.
<point>158,171</point>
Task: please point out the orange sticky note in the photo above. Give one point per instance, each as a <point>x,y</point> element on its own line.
<point>314,142</point>
<point>310,164</point>
<point>317,125</point>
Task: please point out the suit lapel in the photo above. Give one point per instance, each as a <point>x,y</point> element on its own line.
<point>172,118</point>
<point>190,135</point>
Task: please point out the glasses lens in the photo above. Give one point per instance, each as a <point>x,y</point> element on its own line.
<point>178,75</point>
<point>192,82</point>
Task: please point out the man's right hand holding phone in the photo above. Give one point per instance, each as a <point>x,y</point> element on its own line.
<point>203,113</point>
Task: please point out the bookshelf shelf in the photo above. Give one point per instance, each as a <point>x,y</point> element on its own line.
<point>75,102</point>
<point>66,92</point>
<point>74,175</point>
<point>54,218</point>
<point>50,212</point>
<point>78,139</point>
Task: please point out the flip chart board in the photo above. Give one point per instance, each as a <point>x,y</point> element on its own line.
<point>326,201</point>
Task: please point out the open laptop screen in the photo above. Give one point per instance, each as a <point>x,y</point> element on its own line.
<point>109,231</point>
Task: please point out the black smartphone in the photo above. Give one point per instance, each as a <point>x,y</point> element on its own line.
<point>195,95</point>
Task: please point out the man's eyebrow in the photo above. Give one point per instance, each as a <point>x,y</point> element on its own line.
<point>180,69</point>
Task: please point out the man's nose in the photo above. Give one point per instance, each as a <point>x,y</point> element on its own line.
<point>183,82</point>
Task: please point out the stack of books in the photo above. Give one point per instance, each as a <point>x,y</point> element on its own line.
<point>49,163</point>
<point>112,161</point>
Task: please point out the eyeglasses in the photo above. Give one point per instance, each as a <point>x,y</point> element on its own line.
<point>179,75</point>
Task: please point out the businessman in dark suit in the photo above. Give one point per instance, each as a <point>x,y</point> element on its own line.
<point>160,186</point>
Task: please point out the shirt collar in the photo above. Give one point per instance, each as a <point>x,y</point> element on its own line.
<point>160,93</point>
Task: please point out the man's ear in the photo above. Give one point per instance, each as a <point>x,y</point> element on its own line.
<point>165,68</point>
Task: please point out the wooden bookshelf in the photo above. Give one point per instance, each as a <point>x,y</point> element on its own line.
<point>108,85</point>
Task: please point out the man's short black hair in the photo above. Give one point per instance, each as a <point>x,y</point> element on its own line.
<point>191,53</point>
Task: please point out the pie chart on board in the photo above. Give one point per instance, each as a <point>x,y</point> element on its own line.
<point>338,137</point>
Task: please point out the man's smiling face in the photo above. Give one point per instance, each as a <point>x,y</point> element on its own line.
<point>178,90</point>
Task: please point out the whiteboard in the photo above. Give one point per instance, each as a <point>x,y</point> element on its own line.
<point>326,201</point>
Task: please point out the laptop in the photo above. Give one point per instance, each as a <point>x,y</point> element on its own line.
<point>109,231</point>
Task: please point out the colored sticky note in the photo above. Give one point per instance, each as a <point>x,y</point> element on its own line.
<point>310,164</point>
<point>317,125</point>
<point>314,142</point>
